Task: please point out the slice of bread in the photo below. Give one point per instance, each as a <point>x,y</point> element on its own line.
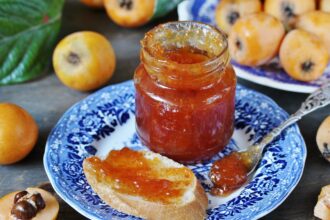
<point>322,208</point>
<point>190,205</point>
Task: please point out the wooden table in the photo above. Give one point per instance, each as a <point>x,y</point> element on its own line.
<point>47,99</point>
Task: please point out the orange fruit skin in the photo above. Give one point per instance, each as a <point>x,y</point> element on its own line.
<point>275,7</point>
<point>140,13</point>
<point>94,61</point>
<point>318,23</point>
<point>299,46</point>
<point>243,7</point>
<point>93,3</point>
<point>18,133</point>
<point>260,36</point>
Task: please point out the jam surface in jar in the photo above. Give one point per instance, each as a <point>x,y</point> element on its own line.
<point>185,97</point>
<point>130,172</point>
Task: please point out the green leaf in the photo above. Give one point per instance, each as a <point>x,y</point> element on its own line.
<point>28,31</point>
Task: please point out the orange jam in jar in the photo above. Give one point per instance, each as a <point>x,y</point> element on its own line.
<point>185,91</point>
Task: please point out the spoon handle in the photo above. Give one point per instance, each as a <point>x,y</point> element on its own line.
<point>318,99</point>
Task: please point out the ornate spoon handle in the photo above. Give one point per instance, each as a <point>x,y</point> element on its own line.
<point>316,100</point>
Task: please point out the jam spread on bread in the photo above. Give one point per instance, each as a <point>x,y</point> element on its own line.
<point>132,173</point>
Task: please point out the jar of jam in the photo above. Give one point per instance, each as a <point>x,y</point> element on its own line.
<point>185,91</point>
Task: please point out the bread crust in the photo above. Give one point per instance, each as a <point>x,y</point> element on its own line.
<point>190,210</point>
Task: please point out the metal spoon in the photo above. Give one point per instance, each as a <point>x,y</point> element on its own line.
<point>318,99</point>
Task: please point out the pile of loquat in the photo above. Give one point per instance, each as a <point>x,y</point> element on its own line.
<point>295,30</point>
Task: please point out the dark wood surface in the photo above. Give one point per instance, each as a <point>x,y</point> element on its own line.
<point>47,99</point>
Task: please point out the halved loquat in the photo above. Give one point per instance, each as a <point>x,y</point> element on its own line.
<point>84,60</point>
<point>49,212</point>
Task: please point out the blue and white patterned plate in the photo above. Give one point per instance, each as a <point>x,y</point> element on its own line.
<point>105,121</point>
<point>271,75</point>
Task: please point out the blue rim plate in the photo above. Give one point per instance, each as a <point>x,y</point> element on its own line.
<point>105,121</point>
<point>271,75</point>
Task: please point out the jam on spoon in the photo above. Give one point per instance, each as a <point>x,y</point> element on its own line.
<point>228,174</point>
<point>232,171</point>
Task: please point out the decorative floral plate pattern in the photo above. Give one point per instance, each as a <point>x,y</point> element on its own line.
<point>105,121</point>
<point>271,75</point>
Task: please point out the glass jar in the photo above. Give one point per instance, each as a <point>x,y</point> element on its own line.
<point>185,91</point>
